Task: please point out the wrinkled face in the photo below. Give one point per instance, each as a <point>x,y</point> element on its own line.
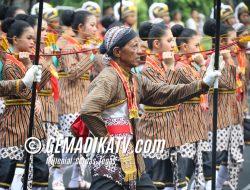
<point>89,29</point>
<point>25,43</point>
<point>131,19</point>
<point>193,44</point>
<point>129,54</point>
<point>43,31</point>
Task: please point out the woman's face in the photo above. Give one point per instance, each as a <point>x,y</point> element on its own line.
<point>43,31</point>
<point>244,18</point>
<point>193,44</point>
<point>231,37</point>
<point>231,21</point>
<point>144,48</point>
<point>25,43</point>
<point>90,28</point>
<point>166,43</point>
<point>178,16</point>
<point>166,18</point>
<point>131,19</point>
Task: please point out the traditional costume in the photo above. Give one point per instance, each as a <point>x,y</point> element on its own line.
<point>193,118</point>
<point>74,70</point>
<point>229,133</point>
<point>162,123</point>
<point>15,122</point>
<point>128,8</point>
<point>111,107</point>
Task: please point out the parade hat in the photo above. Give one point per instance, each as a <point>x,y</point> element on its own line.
<point>226,12</point>
<point>35,8</point>
<point>92,7</point>
<point>240,8</point>
<point>158,10</point>
<point>128,8</point>
<point>50,14</point>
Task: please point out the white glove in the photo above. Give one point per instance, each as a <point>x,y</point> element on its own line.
<point>211,75</point>
<point>34,74</point>
<point>211,63</point>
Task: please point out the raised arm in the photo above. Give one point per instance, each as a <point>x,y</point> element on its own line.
<point>162,94</point>
<point>11,72</point>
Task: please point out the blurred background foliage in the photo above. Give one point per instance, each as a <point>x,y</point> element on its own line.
<point>185,6</point>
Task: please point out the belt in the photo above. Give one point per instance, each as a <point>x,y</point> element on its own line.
<point>119,129</point>
<point>65,75</point>
<point>192,101</point>
<point>45,93</point>
<point>17,102</point>
<point>160,109</point>
<point>224,91</point>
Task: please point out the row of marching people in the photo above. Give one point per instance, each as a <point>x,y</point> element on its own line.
<point>187,128</point>
<point>174,92</point>
<point>63,85</point>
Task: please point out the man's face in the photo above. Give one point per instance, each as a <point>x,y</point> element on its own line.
<point>129,54</point>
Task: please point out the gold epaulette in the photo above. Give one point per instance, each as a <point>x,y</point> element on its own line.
<point>160,109</point>
<point>193,101</point>
<point>65,75</point>
<point>45,93</point>
<point>17,102</point>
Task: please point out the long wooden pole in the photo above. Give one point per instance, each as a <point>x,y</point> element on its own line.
<point>215,97</point>
<point>33,99</point>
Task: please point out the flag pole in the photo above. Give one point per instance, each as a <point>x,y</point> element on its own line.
<point>33,99</point>
<point>215,95</point>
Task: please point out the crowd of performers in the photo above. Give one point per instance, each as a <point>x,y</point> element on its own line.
<point>156,83</point>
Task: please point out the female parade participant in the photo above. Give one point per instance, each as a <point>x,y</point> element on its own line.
<point>74,72</point>
<point>229,133</point>
<point>66,18</point>
<point>112,105</point>
<point>95,9</point>
<point>15,119</point>
<point>128,15</point>
<point>193,113</point>
<point>160,122</point>
<point>159,10</point>
<point>47,97</point>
